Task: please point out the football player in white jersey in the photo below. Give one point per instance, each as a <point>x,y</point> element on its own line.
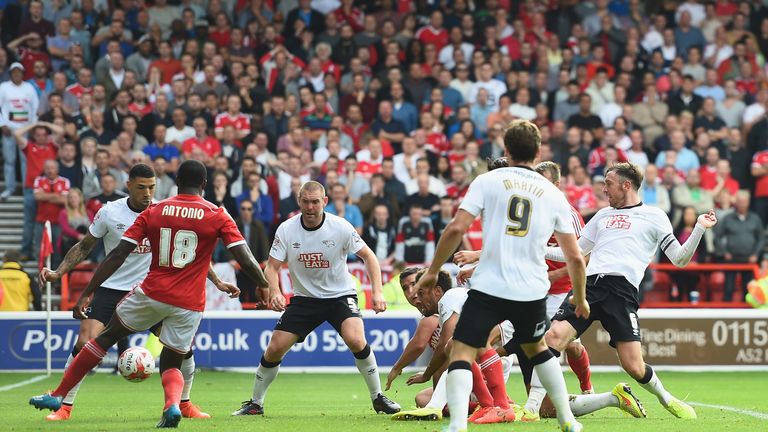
<point>315,245</point>
<point>622,239</point>
<point>520,210</point>
<point>109,224</point>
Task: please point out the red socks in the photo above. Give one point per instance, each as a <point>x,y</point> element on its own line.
<point>479,388</point>
<point>493,371</point>
<point>580,366</point>
<point>88,358</point>
<point>173,382</point>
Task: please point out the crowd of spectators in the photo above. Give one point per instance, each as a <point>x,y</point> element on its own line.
<point>393,105</point>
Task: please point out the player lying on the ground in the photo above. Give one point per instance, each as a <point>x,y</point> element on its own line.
<point>182,232</point>
<point>488,383</point>
<point>427,334</point>
<point>315,245</point>
<point>95,311</point>
<point>622,240</point>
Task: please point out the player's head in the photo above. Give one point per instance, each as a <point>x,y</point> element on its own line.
<point>522,142</point>
<point>428,298</point>
<point>500,162</point>
<point>191,177</point>
<point>622,182</point>
<point>550,171</point>
<point>141,186</point>
<point>312,202</point>
<point>407,283</point>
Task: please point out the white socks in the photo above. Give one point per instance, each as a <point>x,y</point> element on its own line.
<point>459,386</point>
<point>536,395</point>
<point>440,394</point>
<point>551,377</point>
<point>69,399</point>
<point>652,383</point>
<point>365,361</point>
<point>585,404</point>
<point>188,372</point>
<point>264,376</point>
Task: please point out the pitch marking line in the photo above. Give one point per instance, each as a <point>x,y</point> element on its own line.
<point>23,383</point>
<point>755,414</point>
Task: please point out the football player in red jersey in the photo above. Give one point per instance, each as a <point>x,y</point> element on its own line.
<point>183,232</point>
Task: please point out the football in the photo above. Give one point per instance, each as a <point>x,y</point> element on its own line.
<point>136,364</point>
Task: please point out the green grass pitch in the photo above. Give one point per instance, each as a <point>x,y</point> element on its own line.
<point>339,402</point>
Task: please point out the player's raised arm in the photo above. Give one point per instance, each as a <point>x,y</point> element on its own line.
<point>374,274</point>
<point>111,263</point>
<point>556,253</point>
<point>681,255</point>
<point>74,256</point>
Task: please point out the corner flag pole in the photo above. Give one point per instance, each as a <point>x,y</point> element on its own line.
<point>48,332</point>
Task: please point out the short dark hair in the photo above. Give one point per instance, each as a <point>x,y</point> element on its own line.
<point>522,139</point>
<point>141,170</point>
<point>191,174</point>
<point>407,272</point>
<point>500,162</point>
<point>443,279</point>
<point>627,171</point>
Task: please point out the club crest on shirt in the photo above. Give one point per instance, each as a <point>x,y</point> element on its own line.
<point>313,260</point>
<point>329,243</point>
<point>276,243</point>
<point>618,222</point>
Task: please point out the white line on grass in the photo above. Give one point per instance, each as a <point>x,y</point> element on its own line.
<point>755,414</point>
<point>23,383</point>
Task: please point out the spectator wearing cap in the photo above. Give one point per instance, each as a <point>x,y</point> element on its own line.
<point>19,104</point>
<point>17,289</point>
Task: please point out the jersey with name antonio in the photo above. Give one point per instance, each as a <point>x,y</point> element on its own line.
<point>626,240</point>
<point>564,285</point>
<point>110,224</point>
<point>317,257</point>
<point>520,210</point>
<point>183,232</point>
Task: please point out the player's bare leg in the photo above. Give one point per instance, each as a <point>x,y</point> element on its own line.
<point>88,358</point>
<point>188,409</point>
<point>631,358</point>
<point>353,333</point>
<point>173,384</point>
<point>89,329</point>
<point>279,344</point>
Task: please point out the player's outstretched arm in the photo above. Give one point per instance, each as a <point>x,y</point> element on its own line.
<point>681,255</point>
<point>248,264</point>
<point>414,348</point>
<point>449,241</point>
<point>74,256</point>
<point>440,355</point>
<point>275,299</point>
<point>111,263</point>
<point>556,253</point>
<point>465,257</point>
<point>374,274</point>
<point>576,270</point>
<point>222,286</point>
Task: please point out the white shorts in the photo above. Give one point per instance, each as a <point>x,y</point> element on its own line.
<point>553,303</point>
<point>137,312</point>
<point>507,331</point>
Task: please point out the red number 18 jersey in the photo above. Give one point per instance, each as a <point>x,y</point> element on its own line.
<point>183,232</point>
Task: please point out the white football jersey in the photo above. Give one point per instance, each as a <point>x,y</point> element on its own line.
<point>451,302</point>
<point>112,220</point>
<point>317,258</point>
<point>520,209</point>
<point>626,240</point>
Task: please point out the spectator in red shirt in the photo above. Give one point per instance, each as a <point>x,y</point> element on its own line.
<point>580,193</point>
<point>167,64</point>
<point>460,184</point>
<point>209,145</point>
<point>232,116</point>
<point>35,151</point>
<point>50,191</point>
<point>434,34</point>
<point>31,53</point>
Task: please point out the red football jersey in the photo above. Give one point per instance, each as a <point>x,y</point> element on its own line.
<point>240,122</point>
<point>182,232</point>
<point>563,285</point>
